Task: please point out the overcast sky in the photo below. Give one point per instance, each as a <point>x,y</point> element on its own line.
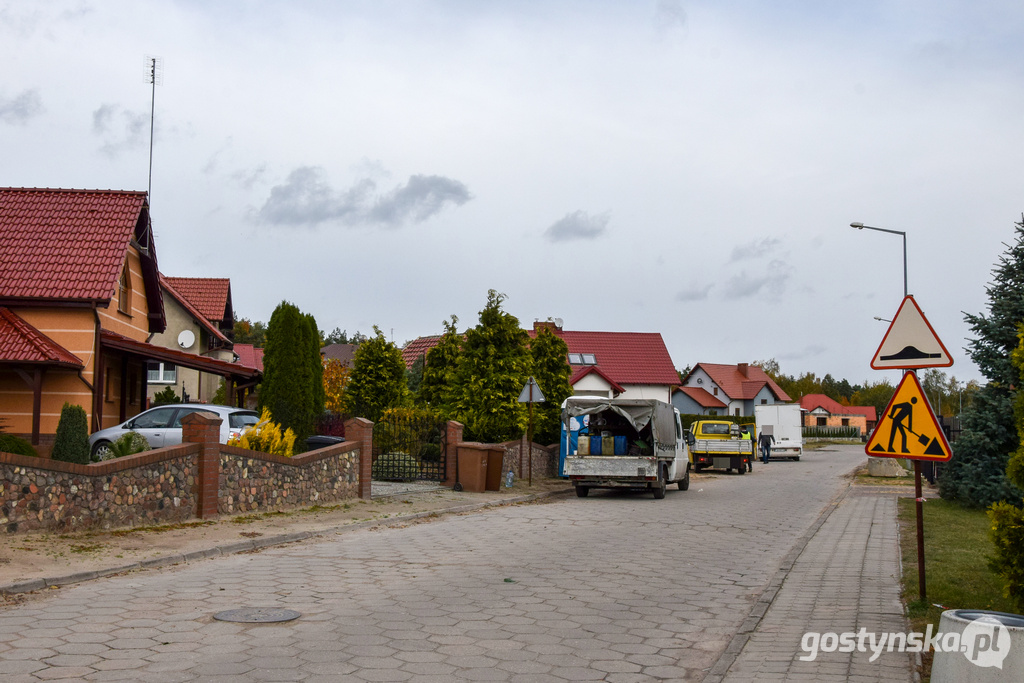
<point>682,167</point>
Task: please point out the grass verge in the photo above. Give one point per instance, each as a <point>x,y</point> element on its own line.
<point>956,553</point>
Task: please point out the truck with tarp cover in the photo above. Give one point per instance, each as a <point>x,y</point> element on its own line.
<point>623,443</point>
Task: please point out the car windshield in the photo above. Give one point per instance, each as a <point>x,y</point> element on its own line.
<point>246,419</point>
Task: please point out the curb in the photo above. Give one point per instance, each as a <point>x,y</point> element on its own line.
<point>764,601</point>
<point>260,543</point>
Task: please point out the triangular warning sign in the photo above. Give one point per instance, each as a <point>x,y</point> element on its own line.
<point>910,342</point>
<point>908,428</point>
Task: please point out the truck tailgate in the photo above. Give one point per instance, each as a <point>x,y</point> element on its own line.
<point>738,446</point>
<point>613,466</point>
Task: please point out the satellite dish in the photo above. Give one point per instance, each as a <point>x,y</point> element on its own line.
<point>558,323</point>
<point>186,339</point>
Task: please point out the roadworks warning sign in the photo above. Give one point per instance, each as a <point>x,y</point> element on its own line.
<point>908,428</point>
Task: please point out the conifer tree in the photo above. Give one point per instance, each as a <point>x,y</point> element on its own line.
<point>552,371</point>
<point>494,365</point>
<point>377,381</point>
<point>976,476</point>
<point>293,374</point>
<point>71,443</point>
<point>439,367</point>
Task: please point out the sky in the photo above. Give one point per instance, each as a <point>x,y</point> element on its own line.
<point>683,167</point>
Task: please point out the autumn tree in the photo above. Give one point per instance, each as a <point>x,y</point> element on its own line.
<point>248,332</point>
<point>491,371</point>
<point>377,381</point>
<point>551,369</point>
<point>336,376</point>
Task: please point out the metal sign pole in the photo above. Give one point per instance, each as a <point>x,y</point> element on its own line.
<point>529,438</point>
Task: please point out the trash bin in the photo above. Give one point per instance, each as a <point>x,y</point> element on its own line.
<point>317,441</point>
<point>473,467</point>
<point>495,459</point>
<point>989,647</point>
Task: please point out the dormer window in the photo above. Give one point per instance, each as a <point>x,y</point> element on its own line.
<point>124,291</point>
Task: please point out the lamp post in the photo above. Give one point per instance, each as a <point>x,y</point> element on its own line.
<point>861,226</point>
<point>917,463</point>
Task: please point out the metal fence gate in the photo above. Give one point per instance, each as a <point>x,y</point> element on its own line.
<point>407,448</point>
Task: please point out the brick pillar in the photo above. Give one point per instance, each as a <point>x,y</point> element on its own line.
<point>452,438</point>
<point>360,430</point>
<point>204,429</point>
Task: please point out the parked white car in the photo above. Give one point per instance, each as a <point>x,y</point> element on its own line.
<point>162,425</point>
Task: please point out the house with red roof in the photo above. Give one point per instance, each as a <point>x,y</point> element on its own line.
<point>200,321</point>
<point>80,296</point>
<point>616,364</point>
<point>417,348</point>
<point>821,411</point>
<point>717,389</point>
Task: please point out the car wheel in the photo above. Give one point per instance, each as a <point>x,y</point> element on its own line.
<point>582,491</point>
<point>684,483</point>
<point>100,450</point>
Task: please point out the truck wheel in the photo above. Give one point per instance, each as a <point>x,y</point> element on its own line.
<point>796,458</point>
<point>742,469</point>
<point>684,483</point>
<point>658,487</point>
<point>582,491</point>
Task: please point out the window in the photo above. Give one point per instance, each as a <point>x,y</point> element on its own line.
<point>764,401</point>
<point>716,391</point>
<point>822,421</point>
<point>161,373</point>
<point>153,419</point>
<point>589,359</point>
<point>582,359</point>
<point>846,422</point>
<point>124,291</point>
<point>737,412</point>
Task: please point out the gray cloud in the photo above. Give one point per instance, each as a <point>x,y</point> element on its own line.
<point>249,177</point>
<point>772,283</point>
<point>694,293</point>
<point>806,352</point>
<point>669,14</point>
<point>755,249</point>
<point>120,129</point>
<point>306,198</point>
<point>578,225</point>
<point>21,108</point>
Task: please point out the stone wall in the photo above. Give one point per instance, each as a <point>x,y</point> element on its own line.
<point>545,459</point>
<point>257,481</point>
<point>147,488</point>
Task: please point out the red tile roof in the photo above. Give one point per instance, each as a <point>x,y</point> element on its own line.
<point>867,411</point>
<point>211,296</point>
<point>340,352</point>
<point>65,244</point>
<point>702,396</point>
<point>249,356</point>
<point>625,357</point>
<point>22,343</point>
<point>812,402</point>
<point>192,310</point>
<point>418,347</point>
<point>582,372</point>
<point>112,340</point>
<point>738,386</point>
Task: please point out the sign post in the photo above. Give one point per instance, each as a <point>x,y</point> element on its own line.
<point>909,344</point>
<point>530,394</point>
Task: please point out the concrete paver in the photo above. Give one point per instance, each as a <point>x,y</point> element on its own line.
<point>615,587</point>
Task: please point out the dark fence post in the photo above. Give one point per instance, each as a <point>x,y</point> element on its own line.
<point>204,429</point>
<point>452,438</point>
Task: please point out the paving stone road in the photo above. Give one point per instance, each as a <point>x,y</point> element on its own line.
<point>614,587</point>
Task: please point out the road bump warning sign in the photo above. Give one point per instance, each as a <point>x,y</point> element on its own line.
<point>908,428</point>
<point>910,342</point>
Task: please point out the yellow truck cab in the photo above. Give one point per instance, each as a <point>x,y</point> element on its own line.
<point>719,444</point>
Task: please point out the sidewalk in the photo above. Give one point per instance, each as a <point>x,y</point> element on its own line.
<point>34,561</point>
<point>843,576</point>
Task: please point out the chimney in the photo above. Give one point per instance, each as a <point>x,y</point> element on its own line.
<point>548,324</point>
<point>744,369</point>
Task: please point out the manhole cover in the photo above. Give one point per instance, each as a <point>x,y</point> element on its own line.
<point>257,615</point>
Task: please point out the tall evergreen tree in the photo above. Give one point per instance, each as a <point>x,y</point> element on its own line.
<point>316,369</point>
<point>288,388</point>
<point>494,365</point>
<point>377,381</point>
<point>976,476</point>
<point>552,371</point>
<point>439,367</point>
<point>71,443</point>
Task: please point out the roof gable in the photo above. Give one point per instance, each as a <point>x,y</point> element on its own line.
<point>250,356</point>
<point>20,342</point>
<point>702,397</point>
<point>192,310</point>
<point>211,296</point>
<point>594,370</point>
<point>419,347</point>
<point>66,244</point>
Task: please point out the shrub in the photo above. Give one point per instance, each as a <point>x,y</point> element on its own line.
<point>72,441</point>
<point>266,436</point>
<point>430,452</point>
<point>395,467</point>
<point>128,444</point>
<point>1007,533</point>
<point>13,444</point>
<point>166,396</point>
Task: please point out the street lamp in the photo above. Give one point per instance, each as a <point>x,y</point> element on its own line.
<point>861,226</point>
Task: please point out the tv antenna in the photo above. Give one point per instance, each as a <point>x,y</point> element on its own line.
<point>154,76</point>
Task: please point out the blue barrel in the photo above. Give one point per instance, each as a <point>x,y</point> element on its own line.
<point>595,445</point>
<point>620,445</point>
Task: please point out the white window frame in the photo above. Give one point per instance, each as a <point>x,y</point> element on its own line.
<point>162,372</point>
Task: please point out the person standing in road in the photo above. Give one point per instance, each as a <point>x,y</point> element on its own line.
<point>748,433</point>
<point>765,441</point>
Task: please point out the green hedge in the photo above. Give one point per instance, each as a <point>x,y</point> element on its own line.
<point>13,444</point>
